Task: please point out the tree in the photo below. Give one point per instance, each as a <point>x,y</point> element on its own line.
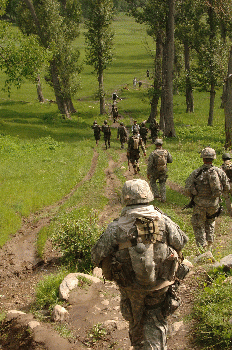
<point>227,101</point>
<point>56,24</point>
<point>99,41</point>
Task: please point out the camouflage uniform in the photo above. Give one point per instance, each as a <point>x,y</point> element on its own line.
<point>205,185</point>
<point>227,168</point>
<point>97,131</point>
<point>107,133</point>
<point>154,173</point>
<point>133,153</point>
<point>122,134</point>
<point>143,133</point>
<point>144,304</point>
<point>154,127</point>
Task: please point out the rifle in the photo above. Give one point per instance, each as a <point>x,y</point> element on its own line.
<point>191,204</point>
<point>215,215</point>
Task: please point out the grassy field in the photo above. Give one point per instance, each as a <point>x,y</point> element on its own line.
<point>43,156</point>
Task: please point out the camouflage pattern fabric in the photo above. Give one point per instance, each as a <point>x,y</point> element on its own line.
<point>156,176</point>
<point>134,154</point>
<point>206,189</point>
<point>144,307</point>
<point>96,131</point>
<point>122,134</point>
<point>107,133</point>
<point>227,168</point>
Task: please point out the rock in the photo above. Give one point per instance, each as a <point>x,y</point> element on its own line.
<point>69,283</point>
<point>205,258</point>
<point>121,325</point>
<point>89,277</point>
<point>59,314</point>
<point>187,263</point>
<point>97,272</point>
<point>175,327</point>
<point>110,325</point>
<point>226,261</point>
<point>33,324</point>
<point>15,313</point>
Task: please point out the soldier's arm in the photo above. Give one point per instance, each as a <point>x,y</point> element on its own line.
<point>176,237</point>
<point>169,157</point>
<point>190,189</point>
<point>105,245</point>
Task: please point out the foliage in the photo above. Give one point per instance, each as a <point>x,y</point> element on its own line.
<point>47,291</point>
<point>75,239</point>
<point>97,333</point>
<point>212,312</point>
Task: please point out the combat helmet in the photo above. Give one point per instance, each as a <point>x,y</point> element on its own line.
<point>136,191</point>
<point>226,156</point>
<point>158,142</point>
<point>208,152</point>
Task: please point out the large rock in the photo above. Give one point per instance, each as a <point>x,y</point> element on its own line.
<point>59,314</point>
<point>226,262</point>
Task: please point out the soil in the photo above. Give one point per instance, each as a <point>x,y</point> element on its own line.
<point>21,269</point>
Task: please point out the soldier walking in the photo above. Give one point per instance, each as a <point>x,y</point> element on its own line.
<point>133,152</point>
<point>97,131</point>
<point>227,168</point>
<point>205,186</point>
<point>157,170</point>
<point>107,133</point>
<point>143,133</point>
<point>141,252</point>
<point>122,134</point>
<point>154,128</point>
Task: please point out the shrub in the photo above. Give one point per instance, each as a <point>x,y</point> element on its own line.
<point>47,291</point>
<point>74,239</point>
<point>213,312</point>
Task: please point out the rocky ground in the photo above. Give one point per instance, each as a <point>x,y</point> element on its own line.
<point>21,269</point>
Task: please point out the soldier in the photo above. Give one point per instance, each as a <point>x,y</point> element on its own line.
<point>154,128</point>
<point>143,133</point>
<point>141,252</point>
<point>157,169</point>
<point>107,133</point>
<point>133,151</point>
<point>122,134</point>
<point>115,113</point>
<point>97,131</point>
<point>135,126</point>
<point>205,186</point>
<point>227,167</point>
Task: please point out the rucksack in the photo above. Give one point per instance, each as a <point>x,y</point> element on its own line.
<point>136,143</point>
<point>161,160</point>
<point>227,167</point>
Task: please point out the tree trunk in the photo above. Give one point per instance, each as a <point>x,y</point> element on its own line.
<point>164,90</point>
<point>39,90</point>
<point>61,103</point>
<point>211,105</point>
<point>227,102</point>
<point>188,87</point>
<point>169,130</point>
<point>158,77</point>
<point>101,93</point>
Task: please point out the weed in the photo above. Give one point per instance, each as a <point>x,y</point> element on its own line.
<point>97,333</point>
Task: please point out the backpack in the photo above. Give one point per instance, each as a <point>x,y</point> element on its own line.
<point>136,143</point>
<point>134,262</point>
<point>227,167</point>
<point>214,182</point>
<point>161,160</point>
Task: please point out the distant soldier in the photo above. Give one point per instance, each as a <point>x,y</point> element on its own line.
<point>114,113</point>
<point>154,128</point>
<point>133,151</point>
<point>135,126</point>
<point>122,134</point>
<point>227,167</point>
<point>157,170</point>
<point>143,133</point>
<point>205,186</point>
<point>97,131</point>
<point>134,82</point>
<point>114,97</point>
<point>148,73</point>
<point>107,133</point>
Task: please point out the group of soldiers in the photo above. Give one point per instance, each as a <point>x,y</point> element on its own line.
<point>142,250</point>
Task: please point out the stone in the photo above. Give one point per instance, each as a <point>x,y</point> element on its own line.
<point>69,283</point>
<point>59,314</point>
<point>205,258</point>
<point>33,324</point>
<point>97,272</point>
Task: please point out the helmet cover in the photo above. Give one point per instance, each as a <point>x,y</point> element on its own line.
<point>158,142</point>
<point>136,191</point>
<point>208,152</point>
<point>226,156</point>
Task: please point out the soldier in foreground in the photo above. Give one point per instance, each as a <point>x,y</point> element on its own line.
<point>205,186</point>
<point>227,167</point>
<point>107,133</point>
<point>133,151</point>
<point>97,131</point>
<point>122,134</point>
<point>157,170</point>
<point>141,252</point>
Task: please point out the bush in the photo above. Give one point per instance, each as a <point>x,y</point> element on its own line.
<point>47,291</point>
<point>74,239</point>
<point>213,313</point>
